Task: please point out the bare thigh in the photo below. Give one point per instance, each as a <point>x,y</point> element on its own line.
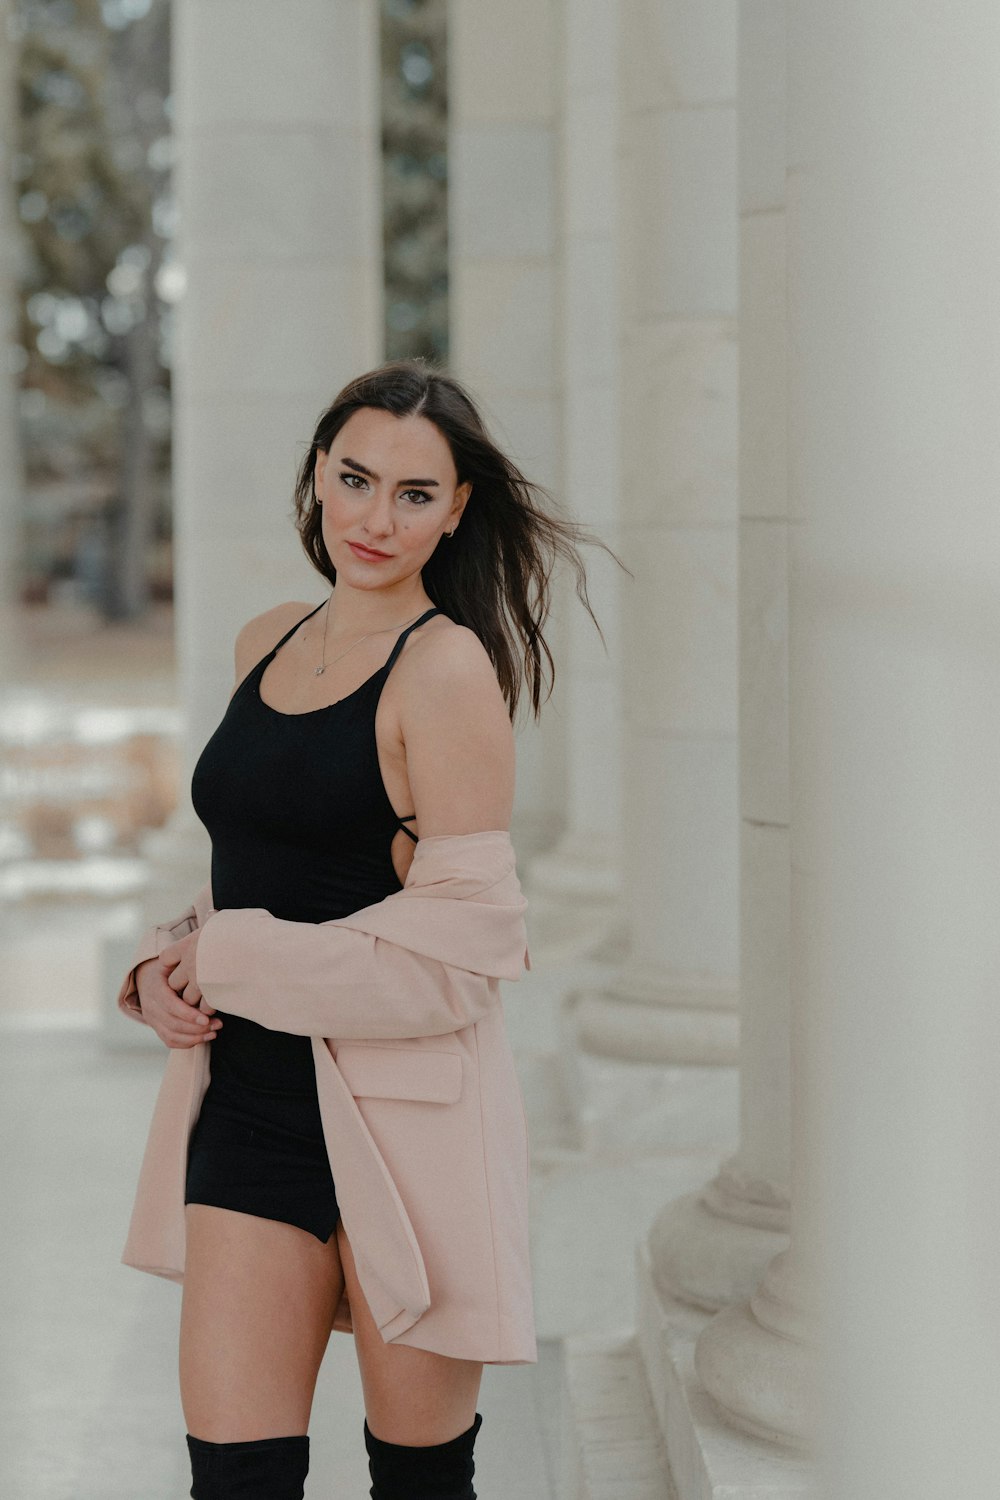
<point>258,1305</point>
<point>411,1395</point>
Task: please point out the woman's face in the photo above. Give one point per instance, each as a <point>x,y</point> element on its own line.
<point>388,484</point>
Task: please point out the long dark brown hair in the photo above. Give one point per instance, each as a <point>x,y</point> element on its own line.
<point>495,575</point>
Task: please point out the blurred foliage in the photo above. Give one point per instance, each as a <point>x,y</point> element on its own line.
<point>414,177</point>
<point>92,184</point>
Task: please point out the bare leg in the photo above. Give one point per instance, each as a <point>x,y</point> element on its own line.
<point>258,1304</point>
<point>411,1395</point>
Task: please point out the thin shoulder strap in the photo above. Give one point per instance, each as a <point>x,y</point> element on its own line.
<point>295,627</point>
<point>397,648</point>
<point>395,652</point>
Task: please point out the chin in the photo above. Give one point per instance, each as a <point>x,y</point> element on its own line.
<point>366,575</point>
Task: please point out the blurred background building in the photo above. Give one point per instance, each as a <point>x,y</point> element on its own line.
<point>724,279</point>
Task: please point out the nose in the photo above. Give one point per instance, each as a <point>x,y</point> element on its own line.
<point>379,521</point>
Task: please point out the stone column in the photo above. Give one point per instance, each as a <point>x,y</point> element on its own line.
<point>894,381</point>
<point>709,1248</point>
<point>504,289</point>
<point>674,1000</point>
<point>894,307</point>
<point>581,875</point>
<point>277,184</point>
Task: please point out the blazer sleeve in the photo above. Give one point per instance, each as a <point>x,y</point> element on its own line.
<point>422,962</point>
<point>303,978</point>
<point>151,943</point>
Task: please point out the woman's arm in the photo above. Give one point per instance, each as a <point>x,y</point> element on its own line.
<point>334,980</point>
<point>457,736</point>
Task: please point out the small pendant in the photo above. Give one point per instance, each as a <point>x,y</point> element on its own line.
<point>318,671</point>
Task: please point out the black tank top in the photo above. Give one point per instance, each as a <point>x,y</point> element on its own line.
<point>301,825</point>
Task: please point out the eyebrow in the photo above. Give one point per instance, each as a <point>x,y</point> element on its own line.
<point>352,463</point>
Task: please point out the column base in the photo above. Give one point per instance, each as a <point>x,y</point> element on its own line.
<point>649,1015</point>
<point>620,1104</point>
<point>711,1248</point>
<point>758,1365</point>
<point>706,1261</point>
<point>709,1459</point>
<point>574,907</point>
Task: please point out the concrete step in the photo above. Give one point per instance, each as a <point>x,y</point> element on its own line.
<point>611,1448</point>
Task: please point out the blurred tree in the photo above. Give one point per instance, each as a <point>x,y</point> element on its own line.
<point>414,177</point>
<point>11,474</point>
<point>93,178</point>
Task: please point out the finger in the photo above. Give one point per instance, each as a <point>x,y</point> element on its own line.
<point>187,1038</point>
<point>178,1004</point>
<point>192,1022</point>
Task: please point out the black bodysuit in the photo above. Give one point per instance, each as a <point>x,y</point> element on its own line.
<point>301,825</point>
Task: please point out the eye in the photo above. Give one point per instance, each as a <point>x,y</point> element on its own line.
<point>423,497</point>
<point>352,476</point>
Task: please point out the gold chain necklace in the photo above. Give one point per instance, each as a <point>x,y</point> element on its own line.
<point>318,671</point>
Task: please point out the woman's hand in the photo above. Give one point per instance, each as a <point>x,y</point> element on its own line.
<point>180,958</point>
<point>170,998</point>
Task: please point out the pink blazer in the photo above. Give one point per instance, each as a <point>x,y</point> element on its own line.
<point>421,1106</point>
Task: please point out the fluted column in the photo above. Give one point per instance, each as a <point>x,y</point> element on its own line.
<point>710,1247</point>
<point>277,183</point>
<point>583,871</point>
<point>756,1358</point>
<point>674,1000</point>
<point>504,291</point>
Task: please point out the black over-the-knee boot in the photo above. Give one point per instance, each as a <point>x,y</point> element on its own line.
<point>266,1469</point>
<point>440,1471</point>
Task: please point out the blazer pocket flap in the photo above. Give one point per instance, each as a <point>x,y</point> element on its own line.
<point>400,1072</point>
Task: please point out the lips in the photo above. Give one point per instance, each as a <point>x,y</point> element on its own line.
<point>368,553</point>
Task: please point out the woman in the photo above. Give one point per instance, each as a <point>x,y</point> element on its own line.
<point>344,965</point>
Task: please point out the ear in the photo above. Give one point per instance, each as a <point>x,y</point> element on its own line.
<point>320,469</point>
<point>461,500</point>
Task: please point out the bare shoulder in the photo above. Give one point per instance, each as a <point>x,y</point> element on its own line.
<point>448,665</point>
<point>258,635</point>
<point>456,732</point>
